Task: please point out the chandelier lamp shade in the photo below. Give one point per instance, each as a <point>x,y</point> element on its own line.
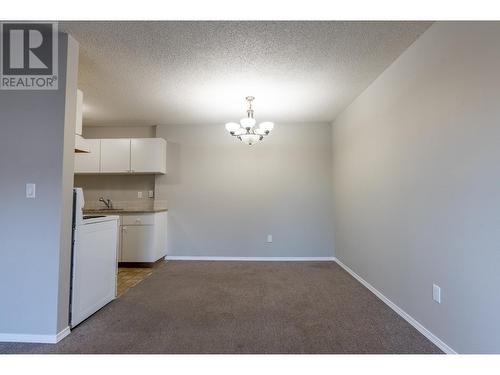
<point>246,131</point>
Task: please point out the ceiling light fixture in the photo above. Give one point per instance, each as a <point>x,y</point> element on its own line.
<point>246,131</point>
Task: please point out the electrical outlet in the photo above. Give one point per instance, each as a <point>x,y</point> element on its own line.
<point>151,194</point>
<point>436,293</point>
<point>30,190</point>
<point>139,194</point>
<point>269,238</point>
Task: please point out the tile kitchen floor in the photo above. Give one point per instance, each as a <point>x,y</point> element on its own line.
<point>130,277</point>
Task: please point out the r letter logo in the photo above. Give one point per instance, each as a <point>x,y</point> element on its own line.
<point>28,56</point>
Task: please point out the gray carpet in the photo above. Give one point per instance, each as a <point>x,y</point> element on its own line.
<point>242,307</point>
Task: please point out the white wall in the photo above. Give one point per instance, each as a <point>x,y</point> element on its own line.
<point>417,183</point>
<point>224,197</point>
<point>37,146</point>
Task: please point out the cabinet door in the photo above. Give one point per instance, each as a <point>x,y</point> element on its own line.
<point>160,235</point>
<point>137,243</point>
<point>115,155</point>
<point>148,155</point>
<point>89,163</point>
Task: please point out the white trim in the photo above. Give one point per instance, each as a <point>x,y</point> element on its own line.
<point>252,259</point>
<point>65,332</point>
<point>424,331</point>
<point>39,339</point>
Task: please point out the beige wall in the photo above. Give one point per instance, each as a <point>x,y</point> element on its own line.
<point>118,131</point>
<point>225,197</point>
<point>417,183</point>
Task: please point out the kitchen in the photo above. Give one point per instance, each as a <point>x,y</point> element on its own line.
<point>114,193</point>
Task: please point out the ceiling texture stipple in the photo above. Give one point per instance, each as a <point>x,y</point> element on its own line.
<point>177,72</point>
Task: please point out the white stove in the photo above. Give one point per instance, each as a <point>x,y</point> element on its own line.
<point>94,261</point>
<point>90,219</point>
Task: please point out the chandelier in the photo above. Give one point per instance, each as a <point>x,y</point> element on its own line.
<point>246,131</point>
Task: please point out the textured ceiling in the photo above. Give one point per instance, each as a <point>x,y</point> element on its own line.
<point>149,73</point>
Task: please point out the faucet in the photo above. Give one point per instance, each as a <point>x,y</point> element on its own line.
<point>107,202</point>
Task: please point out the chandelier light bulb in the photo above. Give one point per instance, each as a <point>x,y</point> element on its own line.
<point>250,139</point>
<point>266,126</point>
<point>247,122</point>
<point>232,127</point>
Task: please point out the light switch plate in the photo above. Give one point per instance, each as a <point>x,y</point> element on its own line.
<point>269,238</point>
<point>30,190</point>
<point>151,194</point>
<point>139,194</point>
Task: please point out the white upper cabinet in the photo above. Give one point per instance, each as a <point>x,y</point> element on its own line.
<point>115,155</point>
<point>148,155</point>
<point>89,162</point>
<point>123,156</point>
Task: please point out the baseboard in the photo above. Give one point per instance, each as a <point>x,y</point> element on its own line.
<point>424,331</point>
<point>39,339</point>
<point>65,332</point>
<point>252,259</point>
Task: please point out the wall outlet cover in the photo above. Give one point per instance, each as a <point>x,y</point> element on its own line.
<point>30,190</point>
<point>139,194</point>
<point>436,293</point>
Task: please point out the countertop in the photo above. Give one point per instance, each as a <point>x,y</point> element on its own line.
<point>118,211</point>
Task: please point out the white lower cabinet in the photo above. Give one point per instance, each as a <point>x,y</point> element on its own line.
<point>137,243</point>
<point>143,237</point>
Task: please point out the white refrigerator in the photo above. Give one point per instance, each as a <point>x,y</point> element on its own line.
<point>93,262</point>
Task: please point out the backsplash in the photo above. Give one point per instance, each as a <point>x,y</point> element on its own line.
<point>130,205</point>
<point>121,189</point>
